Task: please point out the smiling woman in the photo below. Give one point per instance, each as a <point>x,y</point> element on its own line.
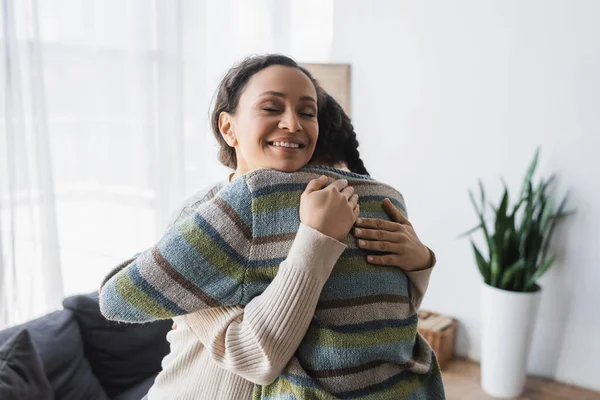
<point>273,128</point>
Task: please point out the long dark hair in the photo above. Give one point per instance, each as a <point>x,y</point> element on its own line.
<point>337,140</point>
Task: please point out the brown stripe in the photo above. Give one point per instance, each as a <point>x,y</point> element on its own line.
<point>181,280</point>
<point>352,182</point>
<point>237,220</point>
<point>332,373</point>
<point>283,237</point>
<point>378,298</point>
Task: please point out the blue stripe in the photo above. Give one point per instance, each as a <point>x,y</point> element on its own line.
<point>281,187</point>
<point>374,214</point>
<point>267,262</point>
<point>218,240</point>
<point>323,169</point>
<point>237,195</point>
<point>253,289</point>
<point>154,294</point>
<point>369,326</point>
<point>114,307</point>
<point>359,284</point>
<point>301,381</point>
<point>183,258</point>
<point>276,222</point>
<point>319,358</point>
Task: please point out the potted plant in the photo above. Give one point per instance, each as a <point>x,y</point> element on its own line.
<point>515,256</point>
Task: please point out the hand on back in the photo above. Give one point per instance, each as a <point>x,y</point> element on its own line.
<point>332,209</point>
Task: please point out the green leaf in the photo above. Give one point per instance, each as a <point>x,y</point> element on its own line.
<point>483,265</point>
<point>475,205</point>
<point>480,214</point>
<point>531,283</point>
<point>469,232</point>
<point>510,273</point>
<point>502,222</point>
<point>530,171</point>
<point>550,231</point>
<point>482,192</point>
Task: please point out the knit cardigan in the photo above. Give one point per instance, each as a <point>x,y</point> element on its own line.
<point>362,341</point>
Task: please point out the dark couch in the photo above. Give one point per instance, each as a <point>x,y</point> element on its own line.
<point>86,357</point>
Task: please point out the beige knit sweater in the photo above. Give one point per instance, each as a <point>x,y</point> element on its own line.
<point>221,353</point>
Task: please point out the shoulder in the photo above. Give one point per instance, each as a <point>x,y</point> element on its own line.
<point>189,205</point>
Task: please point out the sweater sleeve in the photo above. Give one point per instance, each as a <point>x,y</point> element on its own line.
<point>420,281</point>
<point>198,264</point>
<point>257,342</point>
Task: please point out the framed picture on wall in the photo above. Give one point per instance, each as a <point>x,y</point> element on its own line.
<point>335,79</point>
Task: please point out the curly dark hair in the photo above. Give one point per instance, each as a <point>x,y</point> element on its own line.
<point>231,88</point>
<point>337,140</point>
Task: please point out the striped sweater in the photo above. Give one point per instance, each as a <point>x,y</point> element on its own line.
<point>362,341</point>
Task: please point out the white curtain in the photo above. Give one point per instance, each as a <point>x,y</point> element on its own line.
<point>104,125</point>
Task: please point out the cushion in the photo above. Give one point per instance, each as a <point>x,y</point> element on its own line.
<point>57,339</point>
<point>21,370</point>
<point>121,355</point>
<point>138,391</point>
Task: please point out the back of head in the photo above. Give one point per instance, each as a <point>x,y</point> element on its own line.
<point>337,140</point>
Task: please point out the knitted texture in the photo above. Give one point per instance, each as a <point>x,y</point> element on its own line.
<point>362,341</point>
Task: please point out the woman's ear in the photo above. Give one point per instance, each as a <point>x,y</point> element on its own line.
<point>226,128</point>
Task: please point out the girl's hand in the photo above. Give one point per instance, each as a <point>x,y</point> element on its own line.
<point>397,238</point>
<point>331,210</point>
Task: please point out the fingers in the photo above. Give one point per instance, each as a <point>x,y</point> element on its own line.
<point>339,184</point>
<point>379,245</point>
<point>378,234</point>
<point>394,213</point>
<point>353,201</point>
<point>356,211</point>
<point>348,191</point>
<point>388,259</point>
<point>316,184</point>
<point>375,223</point>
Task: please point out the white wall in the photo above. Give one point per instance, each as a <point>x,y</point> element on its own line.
<point>444,94</point>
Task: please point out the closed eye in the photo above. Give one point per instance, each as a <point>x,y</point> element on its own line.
<point>271,109</point>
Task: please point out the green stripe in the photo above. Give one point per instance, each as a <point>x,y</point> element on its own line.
<point>326,337</point>
<point>357,264</point>
<point>138,298</point>
<point>261,274</point>
<point>276,201</point>
<point>282,386</point>
<point>372,206</point>
<point>203,244</point>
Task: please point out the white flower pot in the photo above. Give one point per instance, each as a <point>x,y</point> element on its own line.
<point>508,320</point>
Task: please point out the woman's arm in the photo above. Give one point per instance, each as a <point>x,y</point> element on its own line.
<point>257,341</point>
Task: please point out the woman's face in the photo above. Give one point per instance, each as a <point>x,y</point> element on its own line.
<point>275,124</point>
